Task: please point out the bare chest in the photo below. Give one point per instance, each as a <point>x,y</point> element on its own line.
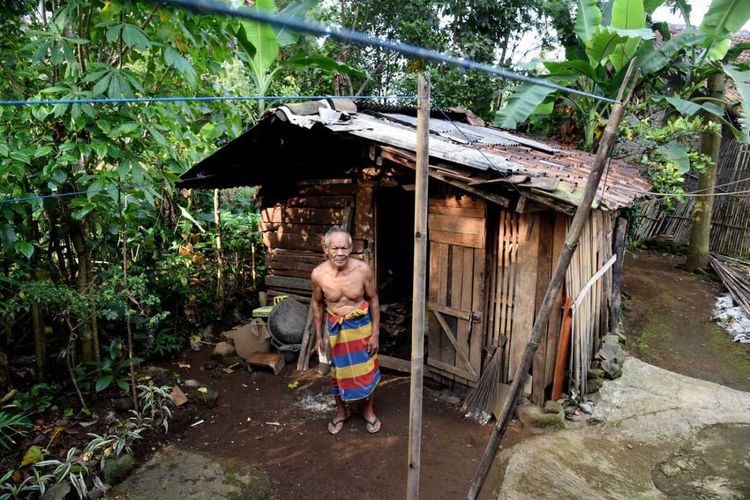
<point>347,288</point>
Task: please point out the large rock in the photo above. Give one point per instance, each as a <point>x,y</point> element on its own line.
<point>223,350</point>
<point>117,469</point>
<point>612,357</point>
<point>59,491</point>
<point>533,416</point>
<point>175,474</point>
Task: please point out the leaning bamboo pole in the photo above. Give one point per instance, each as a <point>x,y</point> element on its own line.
<point>571,242</point>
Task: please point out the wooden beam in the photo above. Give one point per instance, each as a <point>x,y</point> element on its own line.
<point>451,311</point>
<point>421,196</point>
<point>396,364</point>
<point>459,348</point>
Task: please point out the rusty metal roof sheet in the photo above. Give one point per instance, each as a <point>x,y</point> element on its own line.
<point>488,149</point>
<point>483,159</point>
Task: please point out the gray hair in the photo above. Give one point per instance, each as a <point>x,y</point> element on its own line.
<point>334,230</point>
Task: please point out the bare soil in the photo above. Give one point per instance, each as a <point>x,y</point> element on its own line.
<point>278,424</point>
<point>668,321</point>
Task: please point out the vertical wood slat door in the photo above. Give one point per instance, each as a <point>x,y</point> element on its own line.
<point>456,287</point>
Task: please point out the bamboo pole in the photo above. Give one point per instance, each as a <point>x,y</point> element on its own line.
<point>571,242</point>
<point>621,230</point>
<point>418,299</point>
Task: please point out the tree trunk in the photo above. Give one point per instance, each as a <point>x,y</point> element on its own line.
<point>78,238</point>
<point>40,343</point>
<point>710,145</point>
<point>219,252</point>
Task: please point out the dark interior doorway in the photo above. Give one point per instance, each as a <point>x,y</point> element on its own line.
<point>394,222</point>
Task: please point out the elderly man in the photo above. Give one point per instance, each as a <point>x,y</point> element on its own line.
<point>353,319</point>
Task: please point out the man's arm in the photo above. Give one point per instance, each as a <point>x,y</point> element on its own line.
<point>371,294</point>
<point>317,310</point>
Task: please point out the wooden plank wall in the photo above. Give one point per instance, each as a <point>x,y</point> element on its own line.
<point>293,230</point>
<point>456,281</point>
<point>590,319</point>
<point>525,249</point>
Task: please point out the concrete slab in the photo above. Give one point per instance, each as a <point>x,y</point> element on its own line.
<point>656,434</point>
<point>175,474</point>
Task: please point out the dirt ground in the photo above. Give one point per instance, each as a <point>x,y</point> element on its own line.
<point>667,314</point>
<point>264,420</point>
<point>278,423</point>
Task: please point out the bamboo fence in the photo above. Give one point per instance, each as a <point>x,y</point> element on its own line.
<point>730,219</point>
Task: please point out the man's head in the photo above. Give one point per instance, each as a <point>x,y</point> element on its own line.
<point>337,245</point>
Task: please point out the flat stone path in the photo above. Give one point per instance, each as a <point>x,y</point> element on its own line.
<point>175,474</point>
<point>655,434</point>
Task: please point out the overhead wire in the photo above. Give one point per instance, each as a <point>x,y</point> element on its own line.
<point>359,38</point>
<point>477,148</point>
<point>130,100</point>
<point>68,194</point>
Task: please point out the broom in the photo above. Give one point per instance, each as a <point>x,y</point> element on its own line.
<point>481,400</point>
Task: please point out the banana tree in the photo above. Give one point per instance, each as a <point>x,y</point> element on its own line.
<point>595,65</point>
<point>261,46</point>
<point>608,40</point>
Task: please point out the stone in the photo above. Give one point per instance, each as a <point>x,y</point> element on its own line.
<point>223,350</point>
<point>594,384</point>
<point>178,397</point>
<point>192,383</point>
<point>533,416</point>
<point>117,469</point>
<point>453,400</point>
<point>595,373</point>
<point>611,339</point>
<point>587,407</point>
<point>553,407</point>
<point>57,492</point>
<point>174,473</point>
<point>594,397</point>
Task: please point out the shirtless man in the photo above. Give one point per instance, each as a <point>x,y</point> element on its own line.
<point>347,286</point>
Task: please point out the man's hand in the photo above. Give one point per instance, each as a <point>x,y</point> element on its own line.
<point>320,345</point>
<point>373,345</point>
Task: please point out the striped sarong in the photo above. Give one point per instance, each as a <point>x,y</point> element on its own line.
<point>354,373</point>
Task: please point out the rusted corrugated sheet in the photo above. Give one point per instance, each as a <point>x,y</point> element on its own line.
<point>483,158</point>
<point>494,151</point>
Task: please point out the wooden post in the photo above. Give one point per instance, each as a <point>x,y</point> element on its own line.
<point>420,273</point>
<point>621,230</point>
<point>571,242</point>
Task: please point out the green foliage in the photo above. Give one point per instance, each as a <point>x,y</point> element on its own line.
<point>113,370</point>
<point>12,426</point>
<point>669,150</point>
<point>725,17</point>
<point>38,400</point>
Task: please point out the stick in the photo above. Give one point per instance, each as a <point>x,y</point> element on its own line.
<point>418,299</point>
<point>305,347</point>
<point>571,242</point>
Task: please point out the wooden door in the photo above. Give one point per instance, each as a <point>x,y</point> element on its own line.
<point>456,287</point>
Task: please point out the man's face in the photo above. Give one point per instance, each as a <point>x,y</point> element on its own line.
<point>338,249</point>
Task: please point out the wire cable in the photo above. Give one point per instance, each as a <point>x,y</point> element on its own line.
<point>128,100</point>
<point>359,38</point>
<point>37,197</point>
<point>477,148</point>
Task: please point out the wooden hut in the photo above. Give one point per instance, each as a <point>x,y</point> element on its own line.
<point>499,209</point>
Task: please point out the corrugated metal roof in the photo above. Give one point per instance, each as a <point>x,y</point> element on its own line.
<point>488,149</point>
<point>484,160</point>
